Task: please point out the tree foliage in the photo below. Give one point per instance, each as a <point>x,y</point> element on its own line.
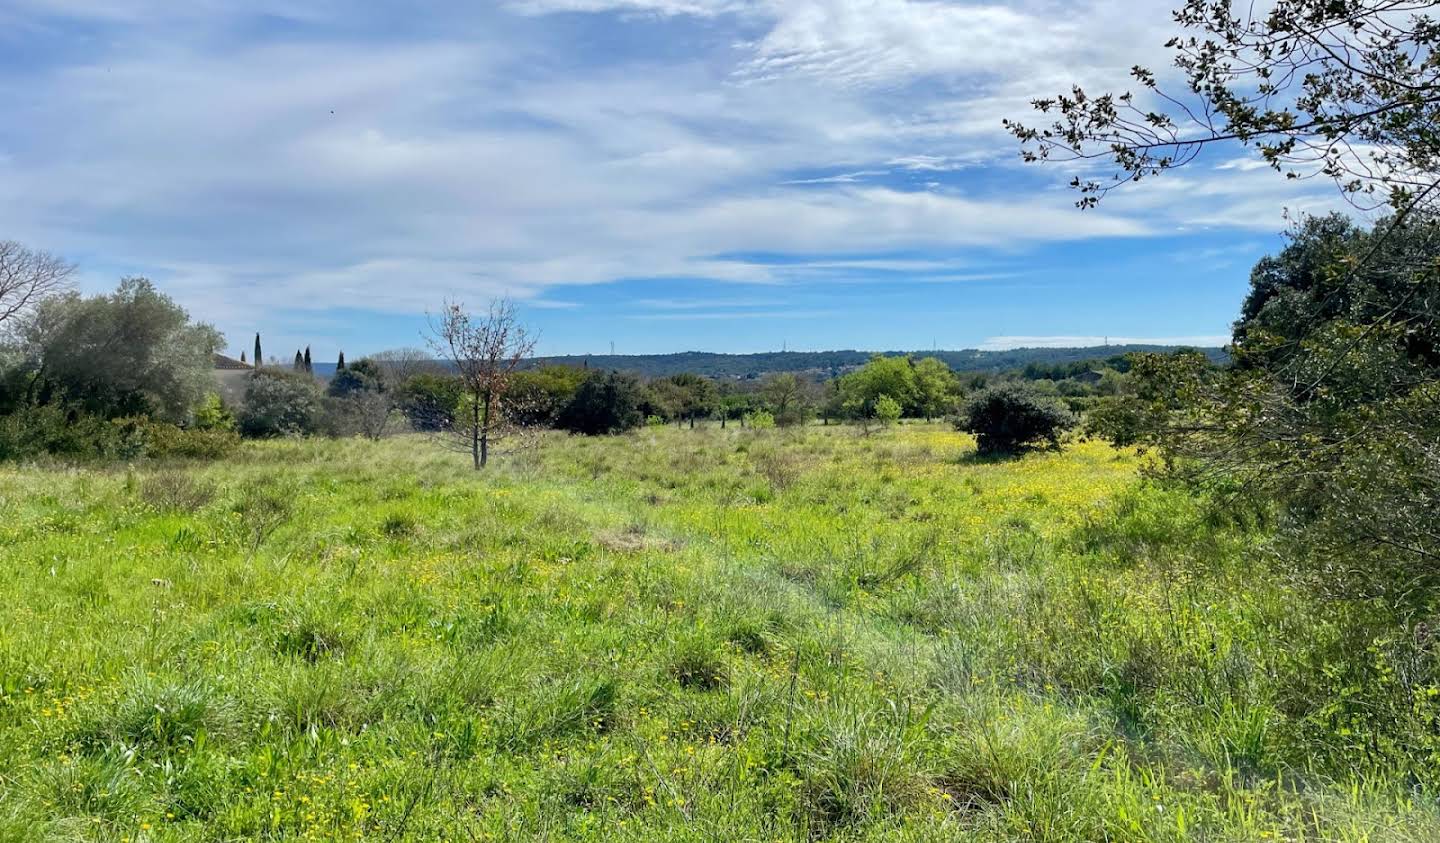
<point>132,352</point>
<point>280,403</point>
<point>607,402</point>
<point>1344,89</point>
<point>430,401</point>
<point>1010,417</point>
<point>540,395</point>
<point>1331,411</point>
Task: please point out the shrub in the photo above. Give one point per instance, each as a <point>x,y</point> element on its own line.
<point>360,376</point>
<point>604,403</point>
<point>175,491</point>
<point>64,431</point>
<point>429,401</point>
<point>212,414</point>
<point>165,441</point>
<point>1010,417</point>
<point>279,403</point>
<point>887,410</point>
<point>759,420</point>
<point>56,430</point>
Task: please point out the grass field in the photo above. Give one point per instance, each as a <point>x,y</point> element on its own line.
<point>679,635</point>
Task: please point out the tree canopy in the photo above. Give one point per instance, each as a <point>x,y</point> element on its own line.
<point>132,352</point>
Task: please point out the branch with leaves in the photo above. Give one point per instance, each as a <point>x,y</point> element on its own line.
<point>1343,89</point>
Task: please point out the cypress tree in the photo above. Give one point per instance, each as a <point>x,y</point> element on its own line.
<point>242,356</point>
<point>308,367</point>
<point>259,358</point>
<point>340,365</point>
<point>299,364</point>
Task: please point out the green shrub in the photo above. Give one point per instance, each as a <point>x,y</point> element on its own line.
<point>605,403</point>
<point>56,430</point>
<point>429,401</point>
<point>1009,418</point>
<point>212,414</point>
<point>887,410</point>
<point>279,403</point>
<point>759,420</point>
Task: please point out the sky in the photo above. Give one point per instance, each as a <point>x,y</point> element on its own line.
<point>660,175</point>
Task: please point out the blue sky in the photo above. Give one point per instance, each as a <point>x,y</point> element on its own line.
<point>666,175</point>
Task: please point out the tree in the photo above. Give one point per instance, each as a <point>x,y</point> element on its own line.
<point>695,397</point>
<point>935,389</point>
<point>1009,418</point>
<point>279,403</point>
<point>27,277</point>
<point>130,353</point>
<point>309,367</point>
<point>788,398</point>
<point>429,401</point>
<point>892,376</point>
<point>242,356</point>
<point>607,402</point>
<point>1329,414</point>
<point>1344,89</point>
<point>299,364</point>
<point>398,365</point>
<point>364,412</point>
<point>361,376</point>
<point>540,395</point>
<point>259,358</point>
<point>340,363</point>
<point>887,411</point>
<point>485,351</point>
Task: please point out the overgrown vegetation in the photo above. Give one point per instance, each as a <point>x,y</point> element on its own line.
<point>675,634</point>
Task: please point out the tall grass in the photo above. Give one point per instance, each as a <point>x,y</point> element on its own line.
<point>689,635</point>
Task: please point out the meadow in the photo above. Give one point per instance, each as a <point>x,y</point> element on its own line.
<point>681,635</point>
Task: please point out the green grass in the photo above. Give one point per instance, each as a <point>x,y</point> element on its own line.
<point>682,635</point>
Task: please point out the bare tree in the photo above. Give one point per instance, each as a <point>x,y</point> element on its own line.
<point>485,351</point>
<point>27,276</point>
<point>398,365</point>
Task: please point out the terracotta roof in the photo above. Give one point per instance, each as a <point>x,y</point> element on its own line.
<point>223,362</point>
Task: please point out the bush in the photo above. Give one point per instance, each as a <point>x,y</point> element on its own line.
<point>604,403</point>
<point>887,410</point>
<point>759,420</point>
<point>175,491</point>
<point>164,441</point>
<point>429,401</point>
<point>57,430</point>
<point>1009,418</point>
<point>279,403</point>
<point>537,397</point>
<point>212,414</point>
<point>63,431</point>
<point>360,376</point>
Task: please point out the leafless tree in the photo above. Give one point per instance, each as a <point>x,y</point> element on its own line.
<point>27,276</point>
<point>398,365</point>
<point>485,350</point>
<point>373,412</point>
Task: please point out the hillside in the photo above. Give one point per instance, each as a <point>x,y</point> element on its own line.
<point>835,362</point>
<point>830,362</point>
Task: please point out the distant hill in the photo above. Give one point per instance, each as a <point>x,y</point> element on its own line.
<point>838,362</point>
<point>828,363</point>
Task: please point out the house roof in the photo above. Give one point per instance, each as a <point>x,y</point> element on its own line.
<point>223,362</point>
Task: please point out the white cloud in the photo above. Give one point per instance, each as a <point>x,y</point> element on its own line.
<point>702,8</point>
<point>483,154</point>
